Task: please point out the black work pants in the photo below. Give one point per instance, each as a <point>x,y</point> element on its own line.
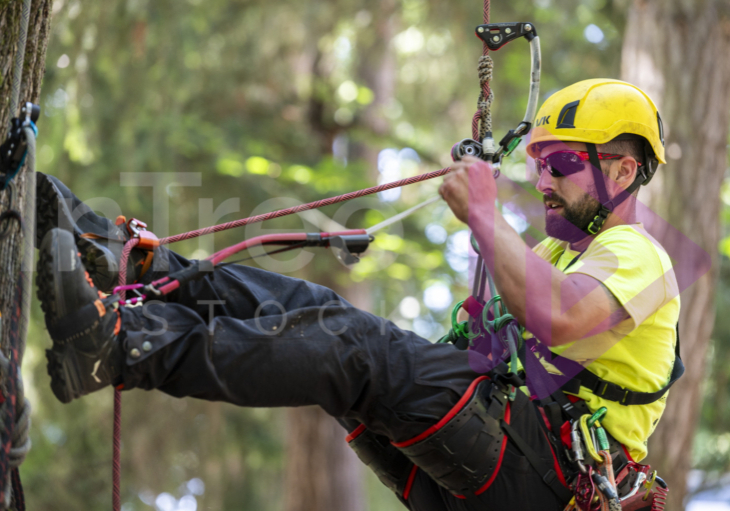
<point>255,338</point>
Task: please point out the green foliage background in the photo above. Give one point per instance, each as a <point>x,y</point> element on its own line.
<point>252,95</point>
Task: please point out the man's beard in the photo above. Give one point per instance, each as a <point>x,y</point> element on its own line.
<point>571,223</point>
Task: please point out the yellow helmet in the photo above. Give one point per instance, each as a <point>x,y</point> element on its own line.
<point>595,112</point>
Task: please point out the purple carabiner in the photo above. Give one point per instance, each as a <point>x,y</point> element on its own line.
<point>132,301</point>
<point>127,287</point>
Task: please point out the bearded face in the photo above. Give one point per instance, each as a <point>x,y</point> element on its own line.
<point>568,221</point>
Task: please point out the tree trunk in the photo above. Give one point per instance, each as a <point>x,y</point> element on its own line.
<point>11,248</point>
<point>322,472</point>
<point>677,52</point>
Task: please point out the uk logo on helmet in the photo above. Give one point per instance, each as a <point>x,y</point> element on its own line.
<point>542,120</point>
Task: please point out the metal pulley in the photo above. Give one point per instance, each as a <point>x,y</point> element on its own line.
<point>495,36</point>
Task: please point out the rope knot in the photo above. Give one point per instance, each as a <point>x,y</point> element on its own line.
<point>485,69</point>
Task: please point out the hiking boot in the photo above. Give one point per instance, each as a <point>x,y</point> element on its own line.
<point>99,240</point>
<point>85,356</point>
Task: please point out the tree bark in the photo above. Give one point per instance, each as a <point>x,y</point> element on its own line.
<point>11,248</point>
<point>677,51</point>
<point>322,472</point>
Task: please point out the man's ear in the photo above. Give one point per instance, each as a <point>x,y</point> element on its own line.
<point>626,173</point>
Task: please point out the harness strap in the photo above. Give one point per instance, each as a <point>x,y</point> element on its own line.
<point>608,205</point>
<point>549,476</point>
<point>612,391</point>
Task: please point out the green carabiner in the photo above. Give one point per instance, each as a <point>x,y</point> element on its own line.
<point>598,415</point>
<point>601,435</point>
<point>460,329</point>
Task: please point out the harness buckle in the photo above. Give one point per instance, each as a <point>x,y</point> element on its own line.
<point>549,477</point>
<point>623,399</point>
<point>603,388</point>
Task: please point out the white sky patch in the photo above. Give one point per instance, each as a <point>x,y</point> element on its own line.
<point>518,223</point>
<point>593,34</point>
<point>391,165</point>
<point>343,48</point>
<point>410,41</point>
<point>436,233</point>
<point>347,91</point>
<point>437,297</point>
<point>410,308</point>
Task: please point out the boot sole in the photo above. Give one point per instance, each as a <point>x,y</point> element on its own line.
<point>62,364</point>
<point>98,260</point>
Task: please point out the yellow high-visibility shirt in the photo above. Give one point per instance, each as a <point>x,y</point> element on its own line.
<point>638,353</point>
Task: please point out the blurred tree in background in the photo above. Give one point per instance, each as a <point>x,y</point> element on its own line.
<point>264,103</point>
<point>696,111</point>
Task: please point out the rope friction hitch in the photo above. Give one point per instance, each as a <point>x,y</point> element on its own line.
<point>350,245</point>
<point>15,148</point>
<point>495,36</point>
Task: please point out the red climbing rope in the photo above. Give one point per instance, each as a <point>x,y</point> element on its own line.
<point>486,89</point>
<point>304,207</point>
<point>116,458</point>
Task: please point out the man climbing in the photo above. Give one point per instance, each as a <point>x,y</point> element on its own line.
<point>435,430</point>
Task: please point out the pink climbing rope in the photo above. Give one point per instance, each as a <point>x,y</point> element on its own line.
<point>486,89</point>
<point>305,207</point>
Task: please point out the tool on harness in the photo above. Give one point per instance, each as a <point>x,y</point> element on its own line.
<point>606,482</point>
<point>495,36</point>
<point>618,486</point>
<point>15,148</point>
<point>585,492</point>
